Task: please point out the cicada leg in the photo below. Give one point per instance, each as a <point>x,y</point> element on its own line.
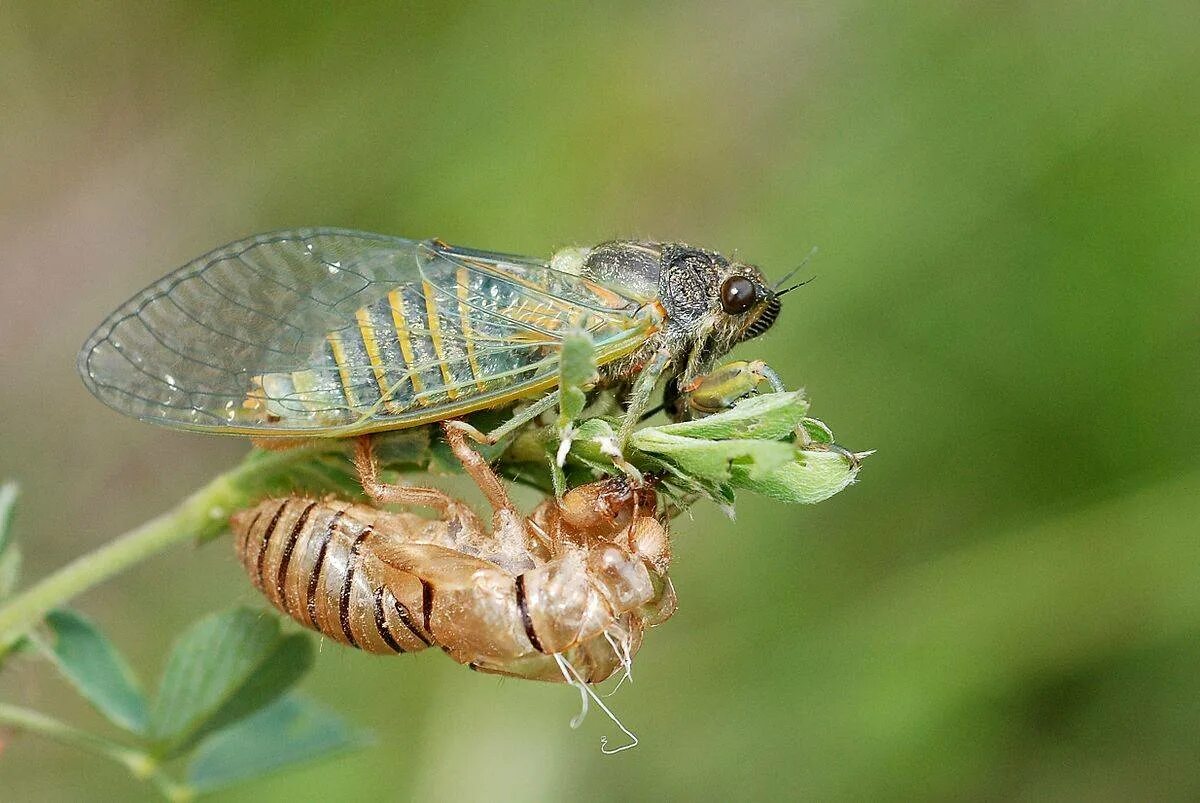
<point>640,395</point>
<point>638,403</point>
<point>510,536</point>
<point>519,419</point>
<point>476,467</point>
<point>382,493</point>
<point>719,390</point>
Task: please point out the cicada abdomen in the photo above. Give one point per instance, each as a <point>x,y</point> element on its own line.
<point>397,582</point>
<point>455,332</point>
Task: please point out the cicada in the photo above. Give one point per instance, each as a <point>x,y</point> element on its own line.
<point>332,333</point>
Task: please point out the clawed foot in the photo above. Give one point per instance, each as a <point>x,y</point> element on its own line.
<point>470,431</point>
<point>381,493</point>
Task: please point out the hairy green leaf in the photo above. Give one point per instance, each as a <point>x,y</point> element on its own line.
<point>813,477</point>
<point>90,662</point>
<point>771,416</point>
<point>292,730</point>
<point>222,669</point>
<point>8,502</point>
<point>713,461</point>
<point>816,431</point>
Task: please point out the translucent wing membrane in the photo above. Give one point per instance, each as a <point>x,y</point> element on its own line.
<point>333,332</point>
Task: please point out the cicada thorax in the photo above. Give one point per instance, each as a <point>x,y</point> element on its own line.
<point>472,327</point>
<point>396,582</point>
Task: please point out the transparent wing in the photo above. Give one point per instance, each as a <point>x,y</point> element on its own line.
<point>333,332</point>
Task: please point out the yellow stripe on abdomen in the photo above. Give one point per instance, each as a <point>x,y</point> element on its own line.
<point>435,336</point>
<point>462,286</point>
<point>396,302</point>
<point>339,359</point>
<point>366,328</point>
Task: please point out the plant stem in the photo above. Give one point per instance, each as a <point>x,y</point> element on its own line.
<point>200,516</point>
<point>208,507</point>
<point>140,764</point>
<point>36,722</point>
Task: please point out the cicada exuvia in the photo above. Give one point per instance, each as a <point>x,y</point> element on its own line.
<point>329,332</point>
<point>563,594</point>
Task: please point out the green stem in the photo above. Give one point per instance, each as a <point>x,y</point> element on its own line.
<point>141,765</point>
<point>208,507</point>
<point>202,515</point>
<point>36,722</point>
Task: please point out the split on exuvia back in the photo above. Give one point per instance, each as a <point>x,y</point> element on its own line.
<point>328,332</point>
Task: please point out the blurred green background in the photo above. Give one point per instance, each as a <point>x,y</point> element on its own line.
<point>1007,307</point>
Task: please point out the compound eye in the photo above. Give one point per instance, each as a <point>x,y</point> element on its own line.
<point>738,294</point>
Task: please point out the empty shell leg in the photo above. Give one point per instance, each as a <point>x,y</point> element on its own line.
<point>385,494</point>
<point>476,467</point>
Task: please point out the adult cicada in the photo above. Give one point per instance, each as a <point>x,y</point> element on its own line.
<point>328,332</point>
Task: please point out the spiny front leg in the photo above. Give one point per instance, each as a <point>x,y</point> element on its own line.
<point>639,396</point>
<point>635,408</point>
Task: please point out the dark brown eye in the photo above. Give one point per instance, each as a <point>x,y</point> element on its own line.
<point>738,294</point>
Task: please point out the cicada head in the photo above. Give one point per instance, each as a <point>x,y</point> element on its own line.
<point>709,303</point>
<point>714,302</point>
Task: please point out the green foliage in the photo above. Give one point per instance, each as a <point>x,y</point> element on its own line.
<point>811,477</point>
<point>223,705</point>
<point>752,447</point>
<point>771,416</point>
<point>86,658</point>
<point>10,555</point>
<point>292,730</point>
<point>712,461</point>
<point>224,668</point>
<point>10,561</point>
<point>576,374</point>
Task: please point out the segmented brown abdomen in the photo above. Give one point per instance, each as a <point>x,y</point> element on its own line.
<point>396,582</point>
<point>315,562</point>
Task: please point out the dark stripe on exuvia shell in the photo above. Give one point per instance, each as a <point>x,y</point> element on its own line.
<point>319,564</point>
<point>265,542</point>
<point>526,619</point>
<point>427,605</point>
<point>381,623</point>
<point>244,535</point>
<point>406,619</point>
<point>347,587</point>
<point>288,548</point>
